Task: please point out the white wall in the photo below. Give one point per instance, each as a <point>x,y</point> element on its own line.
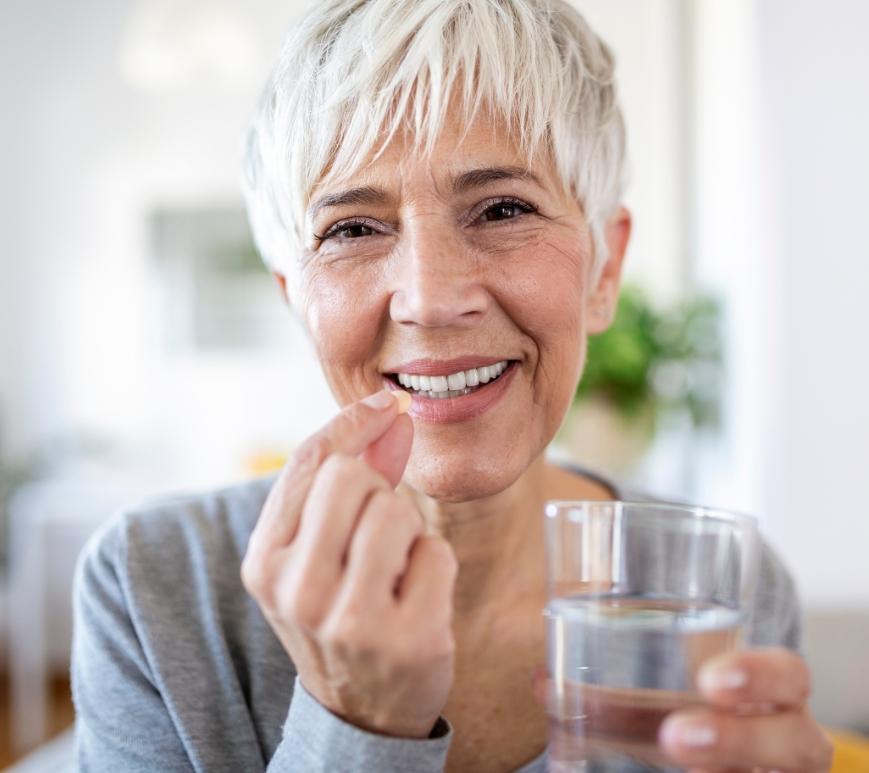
<point>781,163</point>
<point>649,42</point>
<point>814,67</point>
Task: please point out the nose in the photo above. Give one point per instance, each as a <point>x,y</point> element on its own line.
<point>438,281</point>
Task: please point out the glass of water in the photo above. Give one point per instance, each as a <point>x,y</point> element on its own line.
<point>640,595</point>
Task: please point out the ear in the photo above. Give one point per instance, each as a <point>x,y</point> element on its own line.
<point>603,298</point>
<point>282,281</point>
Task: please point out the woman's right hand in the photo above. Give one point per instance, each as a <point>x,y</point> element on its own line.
<point>359,597</point>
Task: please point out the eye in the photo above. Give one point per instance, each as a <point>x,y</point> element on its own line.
<point>346,230</point>
<point>354,231</point>
<point>504,209</point>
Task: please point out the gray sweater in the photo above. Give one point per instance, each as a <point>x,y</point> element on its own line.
<point>174,667</point>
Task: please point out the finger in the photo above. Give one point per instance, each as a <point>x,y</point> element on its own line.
<point>310,569</point>
<point>340,492</point>
<point>761,676</point>
<point>430,576</point>
<point>380,547</point>
<point>350,432</point>
<point>389,453</point>
<point>788,740</point>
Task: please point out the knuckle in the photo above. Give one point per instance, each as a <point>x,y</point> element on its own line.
<point>259,577</point>
<point>298,608</point>
<point>351,422</point>
<point>339,469</point>
<point>311,453</point>
<point>357,416</point>
<point>347,631</point>
<point>386,511</point>
<point>253,576</point>
<point>378,515</point>
<point>336,468</point>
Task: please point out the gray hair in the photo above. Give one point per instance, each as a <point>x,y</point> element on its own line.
<point>354,72</point>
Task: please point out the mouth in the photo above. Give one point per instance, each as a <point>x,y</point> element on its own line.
<point>424,380</point>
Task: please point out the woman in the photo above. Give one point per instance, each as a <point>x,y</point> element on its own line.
<point>435,185</point>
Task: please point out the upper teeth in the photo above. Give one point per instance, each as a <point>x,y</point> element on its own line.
<point>442,385</point>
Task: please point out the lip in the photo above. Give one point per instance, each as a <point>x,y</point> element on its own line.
<point>427,367</point>
<point>455,409</point>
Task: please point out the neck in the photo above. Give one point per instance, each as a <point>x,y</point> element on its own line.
<point>498,541</point>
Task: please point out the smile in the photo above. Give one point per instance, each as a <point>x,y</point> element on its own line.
<point>448,391</point>
<point>462,382</point>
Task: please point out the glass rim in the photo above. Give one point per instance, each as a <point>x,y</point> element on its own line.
<point>696,511</point>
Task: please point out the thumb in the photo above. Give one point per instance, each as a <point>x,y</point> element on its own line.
<point>390,452</point>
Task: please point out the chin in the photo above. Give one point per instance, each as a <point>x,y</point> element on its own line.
<point>467,475</point>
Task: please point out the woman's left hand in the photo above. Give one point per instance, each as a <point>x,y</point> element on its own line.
<point>757,717</point>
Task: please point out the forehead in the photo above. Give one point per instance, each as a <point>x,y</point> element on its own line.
<point>462,156</point>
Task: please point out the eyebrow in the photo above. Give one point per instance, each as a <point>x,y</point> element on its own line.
<point>363,195</point>
<point>475,178</point>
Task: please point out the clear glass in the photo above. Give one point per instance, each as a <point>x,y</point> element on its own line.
<point>640,595</point>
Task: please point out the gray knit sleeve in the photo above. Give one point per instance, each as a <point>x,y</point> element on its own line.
<point>121,720</point>
<point>776,618</point>
<point>136,711</point>
<point>317,740</point>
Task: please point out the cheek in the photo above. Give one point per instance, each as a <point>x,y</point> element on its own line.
<point>547,300</point>
<point>343,316</point>
<point>548,296</point>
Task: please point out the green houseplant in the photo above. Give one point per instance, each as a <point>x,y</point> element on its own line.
<point>653,365</point>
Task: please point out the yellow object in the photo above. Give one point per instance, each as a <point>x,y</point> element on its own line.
<point>404,400</point>
<point>264,462</point>
<point>850,752</point>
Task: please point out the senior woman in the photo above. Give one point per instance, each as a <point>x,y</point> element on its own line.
<point>435,185</point>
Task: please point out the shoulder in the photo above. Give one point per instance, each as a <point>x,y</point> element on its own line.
<point>776,618</point>
<point>175,554</point>
<point>160,608</point>
<point>173,527</point>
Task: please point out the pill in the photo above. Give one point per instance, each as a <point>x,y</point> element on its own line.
<point>404,400</point>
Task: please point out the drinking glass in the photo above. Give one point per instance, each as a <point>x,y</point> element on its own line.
<point>640,595</point>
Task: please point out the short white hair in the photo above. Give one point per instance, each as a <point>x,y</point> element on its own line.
<point>354,72</point>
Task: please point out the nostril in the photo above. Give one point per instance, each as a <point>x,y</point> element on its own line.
<point>439,304</point>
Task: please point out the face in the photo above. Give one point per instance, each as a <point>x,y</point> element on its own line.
<point>462,277</point>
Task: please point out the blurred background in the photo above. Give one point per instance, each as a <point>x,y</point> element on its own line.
<point>143,347</point>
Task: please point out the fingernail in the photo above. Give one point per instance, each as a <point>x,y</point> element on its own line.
<point>722,678</point>
<point>688,732</point>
